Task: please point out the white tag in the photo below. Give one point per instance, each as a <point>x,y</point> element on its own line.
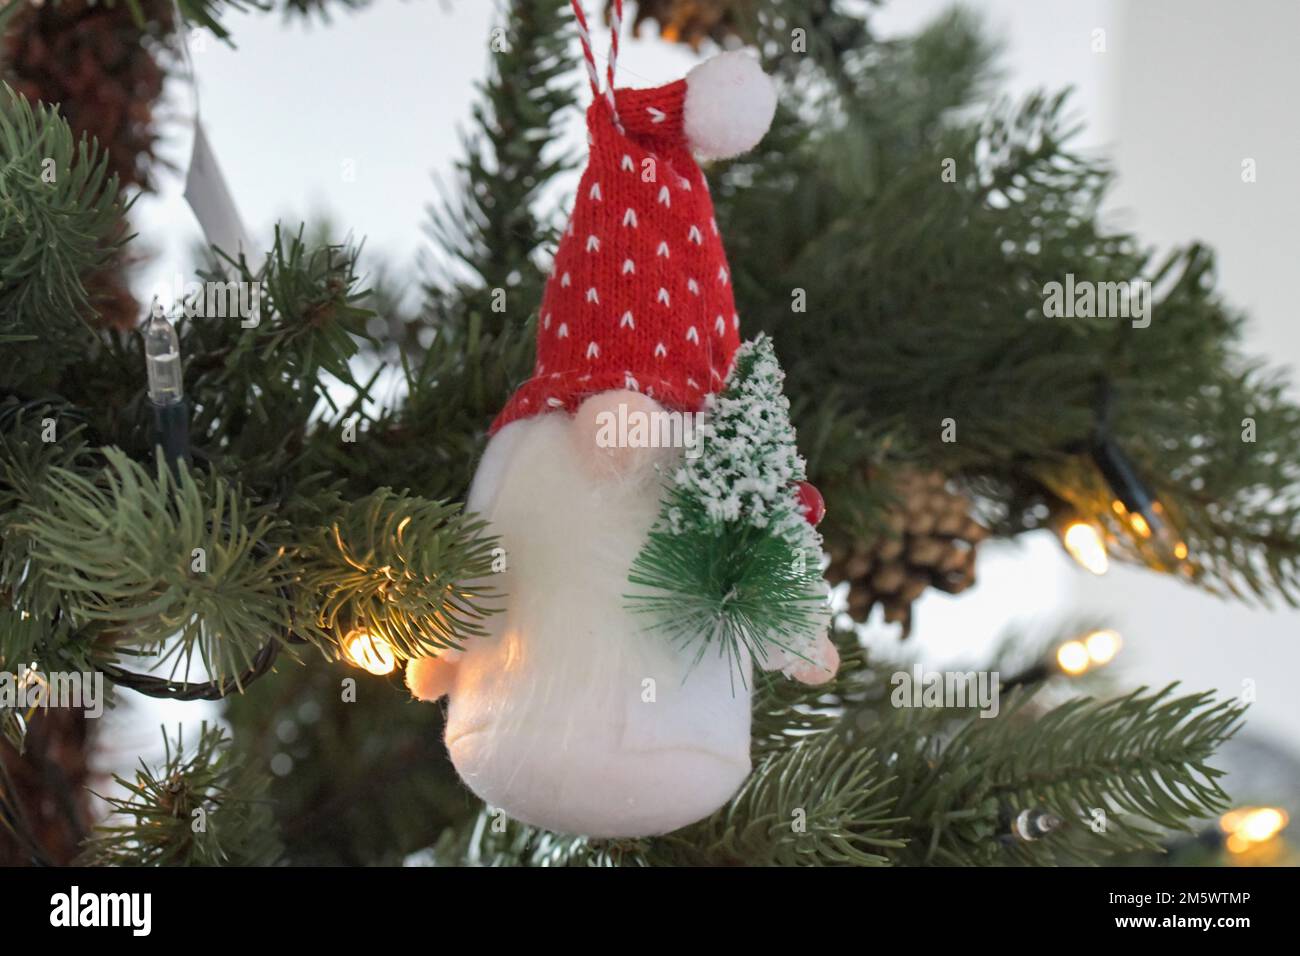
<point>209,196</point>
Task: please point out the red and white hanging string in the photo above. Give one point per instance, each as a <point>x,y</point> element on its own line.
<point>615,28</point>
<point>584,35</point>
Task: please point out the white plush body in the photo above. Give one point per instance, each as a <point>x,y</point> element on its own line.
<point>569,716</point>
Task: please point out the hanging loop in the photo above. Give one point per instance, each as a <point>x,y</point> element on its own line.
<point>593,75</point>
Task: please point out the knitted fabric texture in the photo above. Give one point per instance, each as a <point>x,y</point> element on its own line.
<point>640,296</point>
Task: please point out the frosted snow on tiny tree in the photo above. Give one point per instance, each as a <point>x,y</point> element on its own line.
<point>732,563</point>
<point>750,463</point>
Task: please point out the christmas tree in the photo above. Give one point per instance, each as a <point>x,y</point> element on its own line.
<point>232,512</point>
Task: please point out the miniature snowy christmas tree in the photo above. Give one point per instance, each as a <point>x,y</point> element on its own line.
<point>733,564</point>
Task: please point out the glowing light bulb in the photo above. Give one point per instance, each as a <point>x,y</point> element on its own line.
<point>1102,646</point>
<point>1262,824</point>
<point>1154,528</point>
<point>1168,543</point>
<point>369,652</point>
<point>1248,827</point>
<point>1136,504</point>
<point>1084,543</point>
<point>1073,657</point>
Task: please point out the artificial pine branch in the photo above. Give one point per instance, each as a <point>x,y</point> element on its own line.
<point>29,628</point>
<point>204,806</point>
<point>493,839</point>
<point>431,442</point>
<point>1140,759</point>
<point>307,320</point>
<point>923,301</point>
<point>401,568</point>
<point>370,784</point>
<point>104,67</point>
<point>787,711</point>
<point>58,223</point>
<point>312,297</point>
<point>253,382</point>
<point>148,562</point>
<point>208,13</point>
<point>816,803</point>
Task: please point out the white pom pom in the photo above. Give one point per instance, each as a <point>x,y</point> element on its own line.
<point>730,103</point>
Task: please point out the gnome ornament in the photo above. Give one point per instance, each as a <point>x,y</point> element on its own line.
<point>568,714</point>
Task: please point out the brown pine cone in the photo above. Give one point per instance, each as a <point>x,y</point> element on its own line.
<point>690,21</point>
<point>100,68</point>
<point>45,806</point>
<point>930,541</point>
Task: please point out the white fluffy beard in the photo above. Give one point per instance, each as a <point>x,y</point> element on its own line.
<point>568,715</point>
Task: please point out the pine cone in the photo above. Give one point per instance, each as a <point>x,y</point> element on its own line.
<point>930,542</point>
<point>690,21</point>
<point>101,69</point>
<point>48,809</point>
<point>96,63</point>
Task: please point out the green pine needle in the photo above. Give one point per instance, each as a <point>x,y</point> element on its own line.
<point>404,569</point>
<point>59,218</point>
<point>156,562</point>
<point>201,807</point>
<point>738,590</point>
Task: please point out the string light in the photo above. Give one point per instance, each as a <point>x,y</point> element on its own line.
<point>1102,646</point>
<point>1094,649</point>
<point>1028,825</point>
<point>1073,657</point>
<point>162,364</point>
<point>369,652</point>
<point>162,356</point>
<point>1250,827</point>
<point>1137,506</point>
<point>1083,541</point>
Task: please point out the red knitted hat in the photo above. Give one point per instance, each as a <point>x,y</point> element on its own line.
<point>640,295</point>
